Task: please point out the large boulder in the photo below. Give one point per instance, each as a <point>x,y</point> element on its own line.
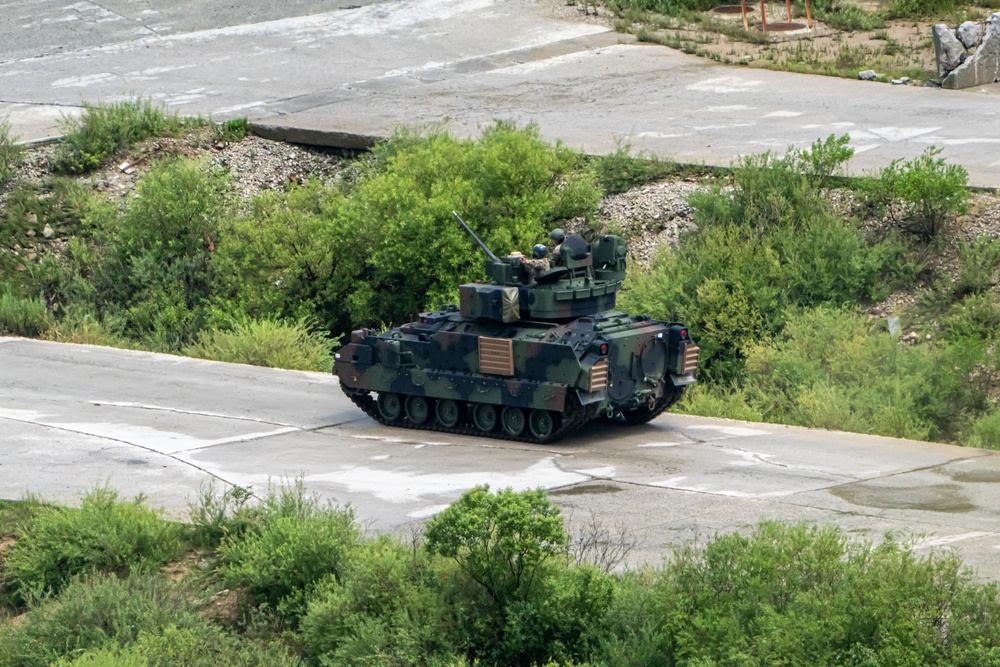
<point>970,34</point>
<point>984,66</point>
<point>950,52</point>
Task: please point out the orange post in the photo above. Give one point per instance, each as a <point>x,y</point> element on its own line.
<point>788,6</point>
<point>746,24</point>
<point>763,17</point>
<point>809,17</point>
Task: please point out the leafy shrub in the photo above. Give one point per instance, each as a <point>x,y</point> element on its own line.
<point>386,608</point>
<point>829,369</point>
<point>769,245</point>
<point>978,263</point>
<point>499,539</point>
<point>95,613</point>
<point>976,317</point>
<point>662,6</point>
<point>985,432</point>
<point>620,171</point>
<point>82,327</point>
<point>802,594</point>
<point>266,343</point>
<point>105,128</point>
<point>21,316</point>
<point>105,534</point>
<point>921,196</point>
<point>10,152</point>
<point>158,270</point>
<point>289,545</point>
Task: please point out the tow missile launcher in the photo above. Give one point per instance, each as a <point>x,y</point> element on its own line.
<point>528,356</point>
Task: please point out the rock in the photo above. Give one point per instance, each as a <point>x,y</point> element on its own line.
<point>950,52</point>
<point>48,232</point>
<point>904,79</point>
<point>30,232</point>
<point>867,75</point>
<point>32,219</point>
<point>970,34</point>
<point>983,67</point>
<point>898,82</point>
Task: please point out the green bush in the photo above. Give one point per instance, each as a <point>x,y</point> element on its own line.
<point>386,608</point>
<point>662,6</point>
<point>798,594</point>
<point>976,317</point>
<point>10,152</point>
<point>105,128</point>
<point>266,343</point>
<point>106,534</point>
<point>21,316</point>
<point>920,196</point>
<point>288,546</point>
<point>158,272</point>
<point>769,245</point>
<point>95,613</point>
<point>620,171</point>
<point>985,432</point>
<point>978,263</point>
<point>500,539</point>
<point>829,369</point>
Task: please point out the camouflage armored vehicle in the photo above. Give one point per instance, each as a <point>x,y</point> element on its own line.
<point>526,356</point>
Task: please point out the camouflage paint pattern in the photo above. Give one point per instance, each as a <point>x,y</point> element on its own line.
<point>567,350</point>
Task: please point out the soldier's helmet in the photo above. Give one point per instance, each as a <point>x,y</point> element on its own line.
<point>558,235</point>
<point>539,251</point>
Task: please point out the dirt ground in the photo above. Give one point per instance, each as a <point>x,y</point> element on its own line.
<point>900,49</point>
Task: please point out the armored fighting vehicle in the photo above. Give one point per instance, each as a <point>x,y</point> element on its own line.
<point>528,356</point>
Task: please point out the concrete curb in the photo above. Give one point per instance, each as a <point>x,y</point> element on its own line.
<point>325,138</point>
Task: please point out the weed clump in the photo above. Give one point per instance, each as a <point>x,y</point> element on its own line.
<point>106,128</point>
<point>21,316</point>
<point>10,152</point>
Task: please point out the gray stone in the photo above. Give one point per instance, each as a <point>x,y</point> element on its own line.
<point>867,75</point>
<point>950,52</point>
<point>48,232</point>
<point>984,66</point>
<point>970,34</point>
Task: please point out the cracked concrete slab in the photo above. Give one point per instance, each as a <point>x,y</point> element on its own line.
<point>76,416</point>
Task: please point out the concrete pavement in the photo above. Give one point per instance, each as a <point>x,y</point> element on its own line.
<point>74,416</point>
<point>317,71</point>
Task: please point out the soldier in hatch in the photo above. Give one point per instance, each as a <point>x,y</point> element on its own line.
<point>539,263</point>
<point>557,237</point>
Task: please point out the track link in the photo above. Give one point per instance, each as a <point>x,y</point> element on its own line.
<point>573,418</point>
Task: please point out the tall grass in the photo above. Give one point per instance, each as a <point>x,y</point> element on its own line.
<point>103,129</point>
<point>10,153</point>
<point>22,316</point>
<point>266,343</point>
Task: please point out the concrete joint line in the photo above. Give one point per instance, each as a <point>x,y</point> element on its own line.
<point>121,442</point>
<point>197,413</point>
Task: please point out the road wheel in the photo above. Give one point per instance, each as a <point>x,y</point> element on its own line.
<point>418,410</point>
<point>513,421</point>
<point>541,423</point>
<point>484,416</point>
<point>448,413</point>
<point>390,406</point>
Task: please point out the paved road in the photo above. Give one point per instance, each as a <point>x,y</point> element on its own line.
<point>73,416</point>
<point>317,70</point>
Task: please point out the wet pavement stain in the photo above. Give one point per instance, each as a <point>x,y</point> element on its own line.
<point>976,476</point>
<point>586,490</point>
<point>936,498</point>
